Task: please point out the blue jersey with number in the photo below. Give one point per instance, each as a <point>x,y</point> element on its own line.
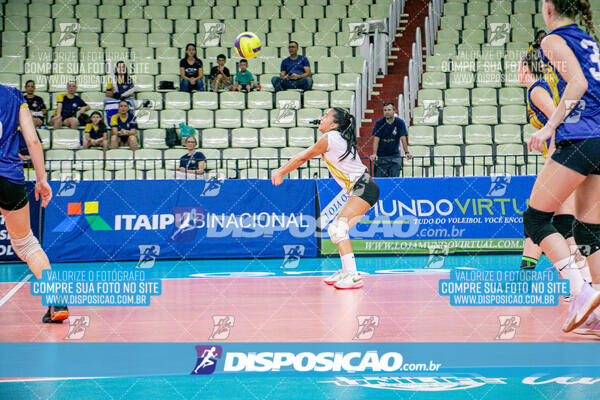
<point>584,121</point>
<point>11,166</point>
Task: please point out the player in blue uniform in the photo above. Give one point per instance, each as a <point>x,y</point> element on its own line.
<point>575,58</point>
<point>14,205</point>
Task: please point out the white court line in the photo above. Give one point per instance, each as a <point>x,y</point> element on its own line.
<point>14,290</point>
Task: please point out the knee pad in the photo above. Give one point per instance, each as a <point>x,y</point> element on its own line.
<point>338,231</point>
<point>26,247</point>
<point>564,224</point>
<point>537,224</point>
<point>587,237</point>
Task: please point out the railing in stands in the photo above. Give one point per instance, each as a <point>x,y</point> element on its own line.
<point>459,165</point>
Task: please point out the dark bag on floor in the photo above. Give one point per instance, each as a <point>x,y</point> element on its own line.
<point>171,139</point>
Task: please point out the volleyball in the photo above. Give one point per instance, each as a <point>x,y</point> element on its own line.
<point>247,45</point>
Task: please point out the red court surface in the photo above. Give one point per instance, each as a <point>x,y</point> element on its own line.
<point>288,309</point>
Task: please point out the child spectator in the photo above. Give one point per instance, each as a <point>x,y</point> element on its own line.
<point>244,79</point>
<point>220,78</point>
<point>190,70</point>
<point>68,106</point>
<point>35,103</point>
<point>124,128</point>
<point>95,134</point>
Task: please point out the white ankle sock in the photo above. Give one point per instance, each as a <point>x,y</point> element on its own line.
<point>585,273</point>
<point>349,263</point>
<point>568,269</point>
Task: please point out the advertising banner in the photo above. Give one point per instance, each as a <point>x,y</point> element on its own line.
<point>6,252</point>
<point>149,220</point>
<point>436,215</point>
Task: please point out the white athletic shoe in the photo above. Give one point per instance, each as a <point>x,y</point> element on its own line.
<point>591,326</point>
<point>349,281</point>
<point>336,276</point>
<point>581,307</point>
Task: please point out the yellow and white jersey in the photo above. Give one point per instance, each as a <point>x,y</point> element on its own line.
<point>347,171</point>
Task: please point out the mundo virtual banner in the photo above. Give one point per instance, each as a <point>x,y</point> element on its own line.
<point>436,215</point>
<point>149,220</point>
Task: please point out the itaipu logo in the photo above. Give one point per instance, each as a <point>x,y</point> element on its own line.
<point>87,210</point>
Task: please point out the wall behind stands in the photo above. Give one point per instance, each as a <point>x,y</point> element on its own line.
<point>148,220</point>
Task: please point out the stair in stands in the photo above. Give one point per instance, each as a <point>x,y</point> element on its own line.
<point>392,84</point>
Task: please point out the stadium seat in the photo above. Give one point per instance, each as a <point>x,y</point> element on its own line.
<point>232,100</point>
<point>439,171</point>
<point>59,159</point>
<point>267,158</point>
<point>91,159</point>
<point>513,114</point>
<point>234,158</point>
<point>148,120</point>
<point>511,95</point>
<point>507,133</point>
<point>316,99</point>
<point>128,174</point>
<point>244,137</point>
<point>119,159</point>
<point>487,115</point>
<point>301,137</point>
<point>451,155</point>
<point>169,118</point>
<point>328,66</point>
<point>171,158</point>
<point>305,115</point>
<point>94,99</point>
<point>510,153</point>
<point>484,97</point>
<point>462,79</point>
<point>272,137</point>
<point>434,80</point>
<point>426,116</point>
<point>156,99</point>
<point>449,134</point>
<point>144,83</point>
<point>201,118</point>
<point>66,139</point>
<point>207,100</point>
<point>154,139</point>
<point>255,118</point>
<point>455,115</point>
<point>148,159</point>
<point>260,99</point>
<point>177,101</point>
<point>430,95</point>
<point>348,81</point>
<point>421,135</point>
<point>473,22</point>
<point>45,137</point>
<point>342,98</point>
<point>478,154</point>
<point>456,97</point>
<point>478,134</point>
<point>421,156</point>
<point>215,138</point>
<point>158,174</point>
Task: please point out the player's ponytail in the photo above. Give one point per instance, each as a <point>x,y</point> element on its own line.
<point>346,126</point>
<point>586,16</point>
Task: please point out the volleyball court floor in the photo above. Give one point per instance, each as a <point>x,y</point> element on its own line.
<point>268,303</point>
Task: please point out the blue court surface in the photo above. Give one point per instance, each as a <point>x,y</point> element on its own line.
<point>470,370</point>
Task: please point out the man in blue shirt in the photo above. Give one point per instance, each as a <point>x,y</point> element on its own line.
<point>387,134</point>
<point>295,72</point>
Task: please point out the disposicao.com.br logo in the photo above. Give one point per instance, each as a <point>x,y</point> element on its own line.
<point>89,211</point>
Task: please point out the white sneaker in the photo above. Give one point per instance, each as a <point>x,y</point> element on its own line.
<point>336,276</point>
<point>349,281</point>
<point>581,307</point>
<point>591,326</point>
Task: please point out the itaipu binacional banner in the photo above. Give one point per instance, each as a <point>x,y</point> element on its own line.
<point>436,215</point>
<point>148,220</point>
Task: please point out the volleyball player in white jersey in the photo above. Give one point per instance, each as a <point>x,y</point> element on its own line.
<point>337,147</point>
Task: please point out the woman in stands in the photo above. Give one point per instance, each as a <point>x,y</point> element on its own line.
<point>120,85</point>
<point>575,164</point>
<point>337,147</point>
<point>14,206</point>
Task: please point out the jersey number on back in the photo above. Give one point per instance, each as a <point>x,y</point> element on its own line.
<point>595,57</point>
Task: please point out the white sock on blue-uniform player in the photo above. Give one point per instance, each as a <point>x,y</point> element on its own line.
<point>349,264</point>
<point>568,269</point>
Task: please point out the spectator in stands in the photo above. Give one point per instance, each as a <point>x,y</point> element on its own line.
<point>295,71</point>
<point>387,134</point>
<point>68,106</point>
<point>220,78</point>
<point>95,133</point>
<point>244,79</point>
<point>193,161</point>
<point>190,70</point>
<point>123,89</point>
<point>124,128</point>
<point>35,103</point>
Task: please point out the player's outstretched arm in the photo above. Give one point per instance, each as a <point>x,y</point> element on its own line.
<point>296,162</point>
